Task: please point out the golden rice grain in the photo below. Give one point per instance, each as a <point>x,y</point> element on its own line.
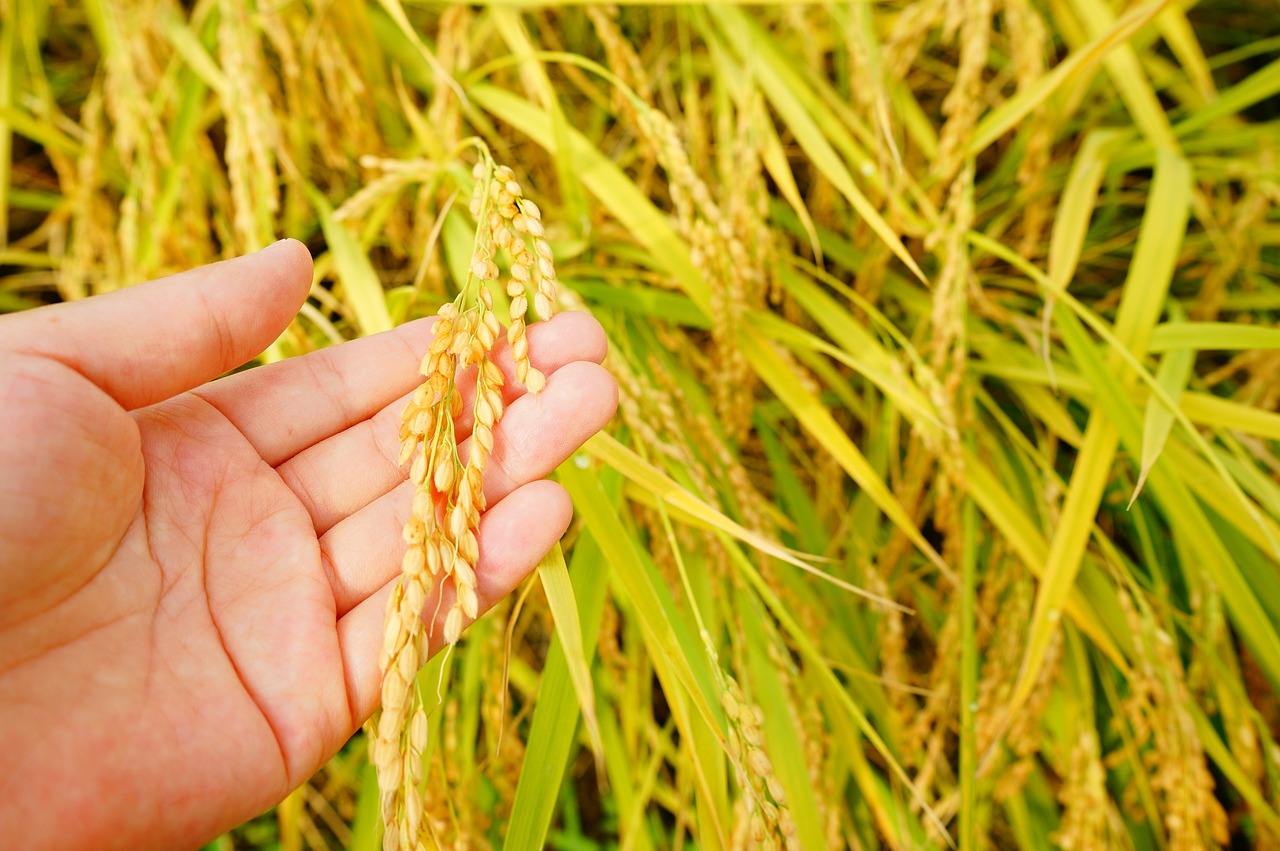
<point>443,526</point>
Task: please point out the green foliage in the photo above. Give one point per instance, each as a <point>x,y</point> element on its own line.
<point>948,436</point>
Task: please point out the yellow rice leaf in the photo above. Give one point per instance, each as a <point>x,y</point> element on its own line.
<point>1186,516</point>
<point>542,4</point>
<point>1071,224</point>
<point>1007,115</point>
<point>1177,32</point>
<point>1089,477</point>
<point>1146,287</point>
<point>396,12</point>
<point>187,45</point>
<point>769,68</point>
<point>609,451</point>
<point>1214,411</point>
<point>1213,336</point>
<point>1128,76</point>
<point>1262,84</point>
<point>1075,209</point>
<point>1102,329</point>
<point>534,72</point>
<point>554,575</point>
<point>836,692</point>
<point>1006,514</point>
<point>1210,488</point>
<point>775,160</point>
<point>858,348</point>
<point>1172,376</point>
<point>1199,408</point>
<point>44,132</point>
<point>1159,241</point>
<point>678,658</point>
<point>817,420</point>
<point>360,283</point>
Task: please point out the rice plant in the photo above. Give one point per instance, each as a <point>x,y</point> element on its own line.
<point>943,504</point>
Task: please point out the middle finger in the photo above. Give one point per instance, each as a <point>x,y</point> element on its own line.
<point>340,475</point>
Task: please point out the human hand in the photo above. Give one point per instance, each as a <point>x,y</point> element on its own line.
<point>193,576</point>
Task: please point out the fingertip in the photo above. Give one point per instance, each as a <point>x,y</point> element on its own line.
<point>516,534</point>
<point>610,384</point>
<point>292,267</point>
<point>557,504</point>
<point>589,392</point>
<point>583,329</point>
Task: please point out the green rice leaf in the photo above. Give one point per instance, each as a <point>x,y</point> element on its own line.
<point>360,282</point>
<point>555,717</point>
<point>1213,336</point>
<point>1004,117</point>
<point>554,575</point>
<point>817,420</point>
<point>1262,84</point>
<point>1127,75</point>
<point>678,657</point>
<point>611,452</point>
<point>1174,371</point>
<point>785,747</point>
<point>780,85</point>
<point>1146,287</point>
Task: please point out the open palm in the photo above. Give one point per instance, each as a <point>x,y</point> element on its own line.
<point>193,578</point>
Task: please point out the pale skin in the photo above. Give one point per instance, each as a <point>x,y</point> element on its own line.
<point>194,572</point>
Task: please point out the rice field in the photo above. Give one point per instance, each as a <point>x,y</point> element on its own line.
<point>942,508</point>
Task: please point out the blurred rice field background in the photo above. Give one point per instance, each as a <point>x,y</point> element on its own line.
<point>943,504</point>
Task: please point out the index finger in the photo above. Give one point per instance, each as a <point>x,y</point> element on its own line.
<point>146,343</point>
<point>283,408</point>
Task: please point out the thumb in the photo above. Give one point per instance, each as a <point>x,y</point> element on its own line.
<point>146,343</point>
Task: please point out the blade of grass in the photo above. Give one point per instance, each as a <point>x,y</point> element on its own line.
<point>817,420</point>
<point>1213,336</point>
<point>608,450</point>
<point>1071,224</point>
<point>1116,348</point>
<point>360,282</point>
<point>1186,518</point>
<point>47,135</point>
<point>1214,411</point>
<point>1007,115</point>
<point>835,691</point>
<point>1146,286</point>
<point>677,656</point>
<point>1128,76</point>
<point>1220,753</point>
<point>187,45</point>
<point>968,678</point>
<point>1174,371</point>
<point>1262,84</point>
<point>573,202</point>
<point>555,716</point>
<point>785,748</point>
<point>554,575</point>
<point>1181,38</point>
<point>771,71</point>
